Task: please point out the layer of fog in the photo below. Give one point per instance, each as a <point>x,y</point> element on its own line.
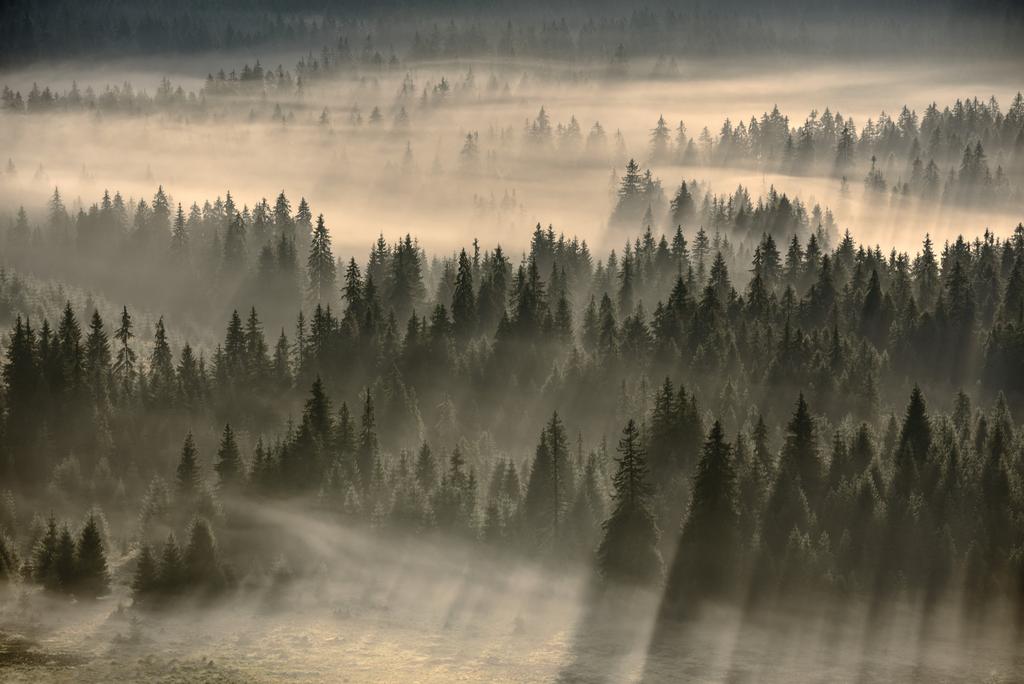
<point>352,604</point>
<point>360,179</point>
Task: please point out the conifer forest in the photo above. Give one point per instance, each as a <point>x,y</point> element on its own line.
<point>659,341</point>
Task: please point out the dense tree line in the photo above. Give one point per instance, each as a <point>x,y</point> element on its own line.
<point>412,386</point>
<point>31,31</point>
<point>603,32</point>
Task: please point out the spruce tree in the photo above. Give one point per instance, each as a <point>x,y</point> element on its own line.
<point>229,461</point>
<point>234,246</point>
<point>796,484</point>
<point>368,444</point>
<point>179,238</point>
<point>64,561</point>
<point>171,576</point>
<point>628,553</point>
<point>706,558</point>
<point>72,356</point>
<point>352,292</point>
<point>97,358</point>
<point>463,302</point>
<point>914,444</point>
<point>145,579</point>
<point>321,271</point>
<point>93,579</point>
<point>202,571</point>
<point>683,210</point>
<point>162,380</point>
<point>187,474</point>
<point>124,366</point>
<point>44,556</point>
<point>426,469</point>
<point>8,558</point>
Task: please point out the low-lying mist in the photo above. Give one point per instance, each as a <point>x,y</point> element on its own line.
<point>412,171</point>
<point>340,601</point>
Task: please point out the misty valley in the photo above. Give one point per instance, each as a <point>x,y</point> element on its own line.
<point>562,342</point>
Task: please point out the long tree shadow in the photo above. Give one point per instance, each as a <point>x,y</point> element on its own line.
<point>612,634</point>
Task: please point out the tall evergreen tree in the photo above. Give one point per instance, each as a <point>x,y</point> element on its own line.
<point>145,578</point>
<point>706,559</point>
<point>187,474</point>
<point>464,308</point>
<point>229,461</point>
<point>629,550</point>
<point>97,358</point>
<point>124,366</point>
<point>321,271</point>
<point>93,578</point>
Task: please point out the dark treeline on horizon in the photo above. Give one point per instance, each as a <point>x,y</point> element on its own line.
<point>57,29</point>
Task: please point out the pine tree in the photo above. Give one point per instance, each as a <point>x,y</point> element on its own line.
<point>93,579</point>
<point>171,576</point>
<point>321,271</point>
<point>353,292</point>
<point>179,237</point>
<point>682,207</point>
<point>188,468</point>
<point>162,379</point>
<point>873,315</point>
<point>425,469</point>
<point>44,556</point>
<point>801,447</point>
<point>366,457</point>
<point>630,193</point>
<point>9,562</point>
<point>845,150</point>
<point>463,302</point>
<point>229,462</point>
<point>706,558</point>
<point>72,357</point>
<point>201,569</point>
<point>797,482</point>
<point>914,444</point>
<point>660,141</point>
<point>124,366</point>
<point>145,579</point>
<point>97,358</point>
<point>234,245</point>
<point>629,550</point>
<point>64,561</point>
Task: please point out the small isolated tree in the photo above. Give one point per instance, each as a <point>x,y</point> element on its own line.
<point>629,551</point>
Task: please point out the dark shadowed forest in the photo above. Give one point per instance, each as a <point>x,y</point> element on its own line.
<point>568,343</point>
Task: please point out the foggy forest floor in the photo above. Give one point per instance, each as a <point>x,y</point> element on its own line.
<point>467,627</point>
<point>385,608</point>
